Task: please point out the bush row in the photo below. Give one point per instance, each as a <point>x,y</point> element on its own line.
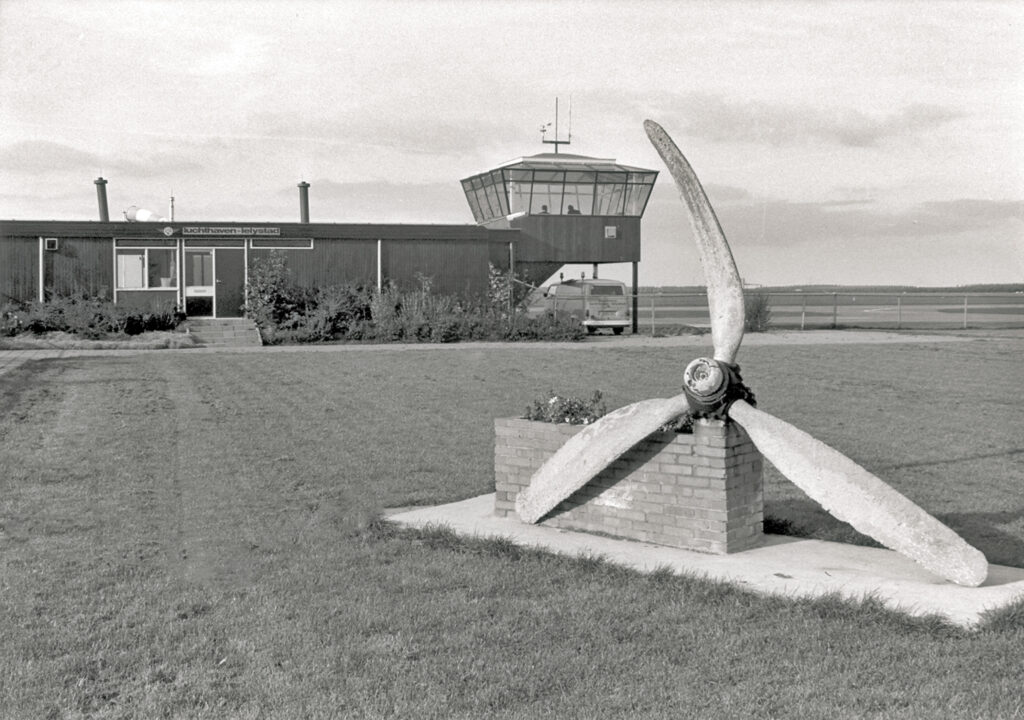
<point>287,313</point>
<point>89,317</point>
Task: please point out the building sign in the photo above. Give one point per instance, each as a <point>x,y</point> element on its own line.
<point>225,230</point>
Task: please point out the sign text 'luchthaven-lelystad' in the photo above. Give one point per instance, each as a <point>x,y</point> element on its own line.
<point>228,230</point>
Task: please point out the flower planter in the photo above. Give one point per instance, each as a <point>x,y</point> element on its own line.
<point>700,492</point>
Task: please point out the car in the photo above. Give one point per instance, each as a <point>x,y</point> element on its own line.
<point>594,303</point>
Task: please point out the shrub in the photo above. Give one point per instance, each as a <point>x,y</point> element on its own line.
<point>287,313</point>
<point>11,319</point>
<point>572,410</point>
<point>544,327</point>
<point>272,299</point>
<point>758,310</point>
<point>506,290</point>
<point>334,312</point>
<point>90,317</point>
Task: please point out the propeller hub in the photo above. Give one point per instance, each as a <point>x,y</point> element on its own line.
<point>711,386</point>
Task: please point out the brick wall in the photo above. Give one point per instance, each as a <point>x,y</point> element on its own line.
<point>701,491</point>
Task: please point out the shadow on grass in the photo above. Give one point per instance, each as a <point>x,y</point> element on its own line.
<point>806,519</point>
<point>982,530</point>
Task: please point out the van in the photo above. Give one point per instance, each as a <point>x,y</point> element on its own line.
<point>595,303</point>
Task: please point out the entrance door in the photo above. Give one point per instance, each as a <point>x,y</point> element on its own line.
<point>199,284</point>
<point>215,282</point>
<point>229,269</point>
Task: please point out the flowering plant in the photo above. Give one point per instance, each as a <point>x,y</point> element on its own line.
<point>572,410</point>
<point>681,424</point>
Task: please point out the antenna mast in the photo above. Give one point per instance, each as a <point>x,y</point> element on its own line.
<point>544,128</point>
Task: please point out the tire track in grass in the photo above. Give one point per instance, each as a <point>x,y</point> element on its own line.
<point>204,532</point>
<point>239,492</point>
<point>299,435</point>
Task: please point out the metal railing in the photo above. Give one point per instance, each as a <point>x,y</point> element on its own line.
<point>658,312</point>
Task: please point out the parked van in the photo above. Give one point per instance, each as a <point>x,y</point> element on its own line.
<point>595,303</point>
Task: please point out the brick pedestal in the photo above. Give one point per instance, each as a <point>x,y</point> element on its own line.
<point>700,492</point>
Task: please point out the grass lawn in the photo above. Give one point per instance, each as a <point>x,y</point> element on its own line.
<point>197,535</point>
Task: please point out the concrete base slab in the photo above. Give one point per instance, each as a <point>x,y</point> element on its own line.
<point>782,565</point>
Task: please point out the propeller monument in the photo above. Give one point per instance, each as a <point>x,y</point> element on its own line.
<point>713,388</point>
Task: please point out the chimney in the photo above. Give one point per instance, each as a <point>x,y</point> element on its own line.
<point>101,199</point>
<point>304,202</point>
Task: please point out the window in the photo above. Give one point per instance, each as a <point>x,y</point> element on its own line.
<point>519,196</point>
<point>281,243</point>
<point>147,268</point>
<point>547,199</point>
<point>199,268</point>
<point>130,266</point>
<point>609,199</point>
<point>606,290</point>
<point>467,188</point>
<point>580,198</point>
<point>636,199</point>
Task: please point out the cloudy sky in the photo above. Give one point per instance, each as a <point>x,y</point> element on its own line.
<point>842,142</point>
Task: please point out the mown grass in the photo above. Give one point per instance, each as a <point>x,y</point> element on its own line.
<point>199,536</point>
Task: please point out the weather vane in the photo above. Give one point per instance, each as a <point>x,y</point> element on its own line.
<point>544,128</point>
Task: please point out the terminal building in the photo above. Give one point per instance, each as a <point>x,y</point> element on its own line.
<point>532,215</point>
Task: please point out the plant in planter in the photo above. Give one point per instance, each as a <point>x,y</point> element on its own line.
<point>567,409</point>
<point>556,408</point>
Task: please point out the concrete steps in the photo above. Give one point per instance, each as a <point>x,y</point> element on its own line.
<point>224,332</point>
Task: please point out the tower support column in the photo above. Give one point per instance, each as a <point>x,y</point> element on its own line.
<point>636,298</point>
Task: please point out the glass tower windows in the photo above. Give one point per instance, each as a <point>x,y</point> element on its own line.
<point>559,185</point>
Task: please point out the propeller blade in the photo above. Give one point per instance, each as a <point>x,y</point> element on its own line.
<point>725,289</point>
<point>853,495</point>
<point>591,450</point>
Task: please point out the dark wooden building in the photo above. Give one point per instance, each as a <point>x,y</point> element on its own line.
<point>204,267</point>
<point>534,214</point>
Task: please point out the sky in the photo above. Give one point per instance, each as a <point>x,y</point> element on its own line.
<point>839,142</point>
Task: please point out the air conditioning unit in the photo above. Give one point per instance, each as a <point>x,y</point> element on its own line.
<point>51,244</point>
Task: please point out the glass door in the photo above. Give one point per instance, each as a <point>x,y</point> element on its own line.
<point>199,283</point>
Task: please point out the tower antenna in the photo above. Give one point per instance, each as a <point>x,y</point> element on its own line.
<point>556,142</point>
<point>570,118</point>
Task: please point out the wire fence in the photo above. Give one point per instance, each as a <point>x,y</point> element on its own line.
<point>660,312</point>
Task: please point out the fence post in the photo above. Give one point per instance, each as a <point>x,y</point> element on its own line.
<point>899,311</point>
<point>965,312</point>
<point>835,309</point>
<point>652,315</point>
<point>803,312</point>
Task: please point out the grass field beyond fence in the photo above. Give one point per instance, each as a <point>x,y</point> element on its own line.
<point>198,535</point>
<point>659,312</point>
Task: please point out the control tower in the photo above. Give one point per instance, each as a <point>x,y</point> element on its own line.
<point>567,208</point>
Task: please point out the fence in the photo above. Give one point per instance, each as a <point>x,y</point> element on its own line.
<point>662,312</point>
